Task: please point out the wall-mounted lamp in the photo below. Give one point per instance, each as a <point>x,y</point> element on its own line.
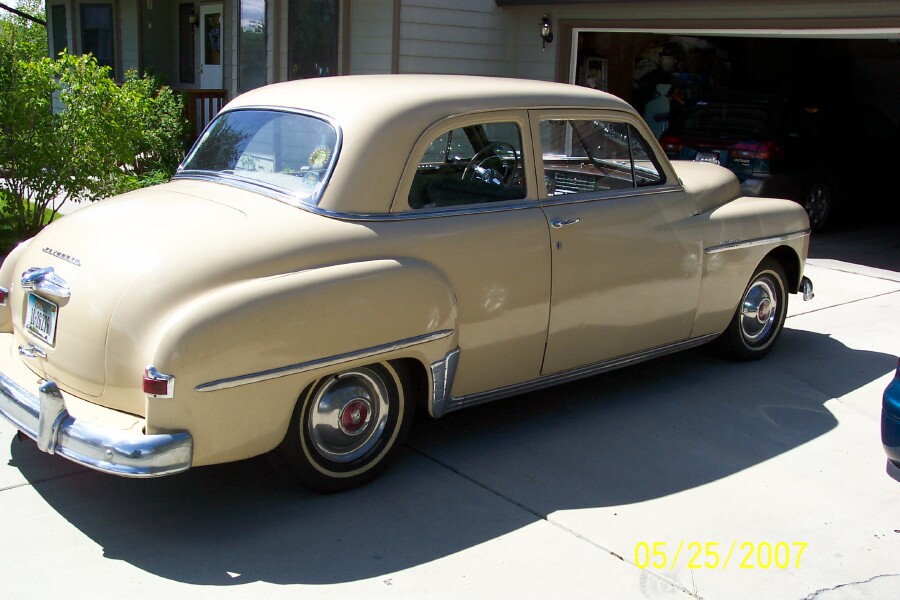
<point>546,32</point>
<point>193,19</point>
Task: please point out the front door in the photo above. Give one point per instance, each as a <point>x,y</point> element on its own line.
<point>625,271</point>
<point>211,46</point>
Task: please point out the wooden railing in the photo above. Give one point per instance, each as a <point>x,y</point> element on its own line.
<point>201,106</point>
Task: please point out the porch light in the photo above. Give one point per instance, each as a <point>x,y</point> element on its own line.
<point>546,32</point>
<point>192,18</point>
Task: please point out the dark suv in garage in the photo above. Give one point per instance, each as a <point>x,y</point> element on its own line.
<point>819,156</point>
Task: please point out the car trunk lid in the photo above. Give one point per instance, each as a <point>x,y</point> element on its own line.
<point>84,263</point>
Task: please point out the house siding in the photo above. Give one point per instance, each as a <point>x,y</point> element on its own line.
<point>371,37</point>
<point>465,37</point>
<point>129,25</point>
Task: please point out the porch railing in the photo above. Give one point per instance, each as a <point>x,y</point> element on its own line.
<point>201,106</point>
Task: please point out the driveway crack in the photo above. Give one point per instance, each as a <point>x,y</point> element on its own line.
<point>817,593</point>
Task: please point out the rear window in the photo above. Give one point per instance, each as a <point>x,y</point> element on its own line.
<point>288,154</point>
<point>732,119</point>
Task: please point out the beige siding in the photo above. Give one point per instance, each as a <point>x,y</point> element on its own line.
<point>129,32</point>
<point>467,37</point>
<point>371,36</point>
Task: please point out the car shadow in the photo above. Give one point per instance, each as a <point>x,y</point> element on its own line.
<point>629,436</point>
<point>869,239</point>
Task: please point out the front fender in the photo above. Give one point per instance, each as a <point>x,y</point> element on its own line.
<point>241,354</point>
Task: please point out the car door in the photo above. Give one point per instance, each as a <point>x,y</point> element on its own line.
<point>625,267</point>
<point>468,205</point>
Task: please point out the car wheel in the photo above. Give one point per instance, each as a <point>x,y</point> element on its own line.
<point>818,200</point>
<point>759,318</point>
<point>347,427</point>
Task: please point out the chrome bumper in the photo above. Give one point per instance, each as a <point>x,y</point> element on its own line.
<point>44,418</point>
<point>806,288</point>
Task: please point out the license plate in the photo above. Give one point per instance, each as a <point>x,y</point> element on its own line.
<point>40,318</point>
<point>707,157</point>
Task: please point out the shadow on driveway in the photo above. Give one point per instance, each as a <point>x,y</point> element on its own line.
<point>625,437</point>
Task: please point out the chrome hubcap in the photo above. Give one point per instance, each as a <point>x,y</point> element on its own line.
<point>759,310</point>
<point>347,415</point>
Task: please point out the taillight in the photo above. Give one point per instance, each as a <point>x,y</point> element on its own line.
<point>4,296</point>
<point>757,150</point>
<point>158,385</point>
<point>671,144</point>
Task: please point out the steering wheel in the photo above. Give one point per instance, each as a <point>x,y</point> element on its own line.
<point>488,166</point>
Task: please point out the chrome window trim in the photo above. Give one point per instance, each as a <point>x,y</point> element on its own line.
<point>600,196</point>
<point>320,363</point>
<point>410,215</point>
<point>442,405</point>
<point>740,244</point>
<point>275,192</point>
<point>475,209</point>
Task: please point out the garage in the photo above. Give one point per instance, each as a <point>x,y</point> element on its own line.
<point>835,67</point>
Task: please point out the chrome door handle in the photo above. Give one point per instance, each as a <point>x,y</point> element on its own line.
<point>557,223</point>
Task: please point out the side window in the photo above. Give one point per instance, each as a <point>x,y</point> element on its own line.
<point>594,155</point>
<point>476,164</point>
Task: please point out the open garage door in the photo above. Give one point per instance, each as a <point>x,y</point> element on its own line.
<point>817,104</point>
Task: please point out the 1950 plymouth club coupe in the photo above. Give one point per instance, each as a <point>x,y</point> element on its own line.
<point>334,253</point>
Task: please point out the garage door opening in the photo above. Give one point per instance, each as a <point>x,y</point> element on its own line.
<point>657,71</point>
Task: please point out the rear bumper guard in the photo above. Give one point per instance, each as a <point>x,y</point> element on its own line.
<point>44,418</point>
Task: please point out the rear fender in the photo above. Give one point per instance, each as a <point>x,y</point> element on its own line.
<point>242,354</point>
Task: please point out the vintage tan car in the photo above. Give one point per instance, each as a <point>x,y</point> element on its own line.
<point>335,252</point>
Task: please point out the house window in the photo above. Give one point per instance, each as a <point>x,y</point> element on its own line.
<point>58,25</point>
<point>313,38</point>
<point>97,33</point>
<point>252,45</point>
<point>185,43</point>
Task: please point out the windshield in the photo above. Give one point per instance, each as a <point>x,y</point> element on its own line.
<point>286,153</point>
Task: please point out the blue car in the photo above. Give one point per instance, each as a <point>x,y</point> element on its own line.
<point>890,419</point>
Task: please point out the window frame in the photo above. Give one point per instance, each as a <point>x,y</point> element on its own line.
<point>241,85</point>
<point>670,179</point>
<point>520,118</point>
<point>113,67</point>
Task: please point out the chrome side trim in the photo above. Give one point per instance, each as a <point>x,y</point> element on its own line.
<point>739,244</point>
<point>457,403</point>
<point>328,361</point>
<point>44,418</point>
<point>442,374</point>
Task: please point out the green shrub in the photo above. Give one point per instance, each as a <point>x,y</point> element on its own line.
<point>106,140</point>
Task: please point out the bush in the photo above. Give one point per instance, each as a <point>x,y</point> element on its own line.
<point>107,139</point>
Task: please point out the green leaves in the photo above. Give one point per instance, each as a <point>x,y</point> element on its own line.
<point>68,132</point>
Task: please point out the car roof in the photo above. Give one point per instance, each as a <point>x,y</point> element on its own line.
<point>382,116</point>
<point>415,95</point>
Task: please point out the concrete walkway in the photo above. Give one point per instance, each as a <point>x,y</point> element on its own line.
<point>763,480</point>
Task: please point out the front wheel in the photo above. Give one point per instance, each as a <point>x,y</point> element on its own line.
<point>759,318</point>
<point>347,427</point>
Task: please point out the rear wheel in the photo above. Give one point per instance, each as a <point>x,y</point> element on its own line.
<point>818,201</point>
<point>347,427</point>
<point>759,318</point>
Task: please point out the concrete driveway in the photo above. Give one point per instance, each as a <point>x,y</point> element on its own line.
<point>762,480</point>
